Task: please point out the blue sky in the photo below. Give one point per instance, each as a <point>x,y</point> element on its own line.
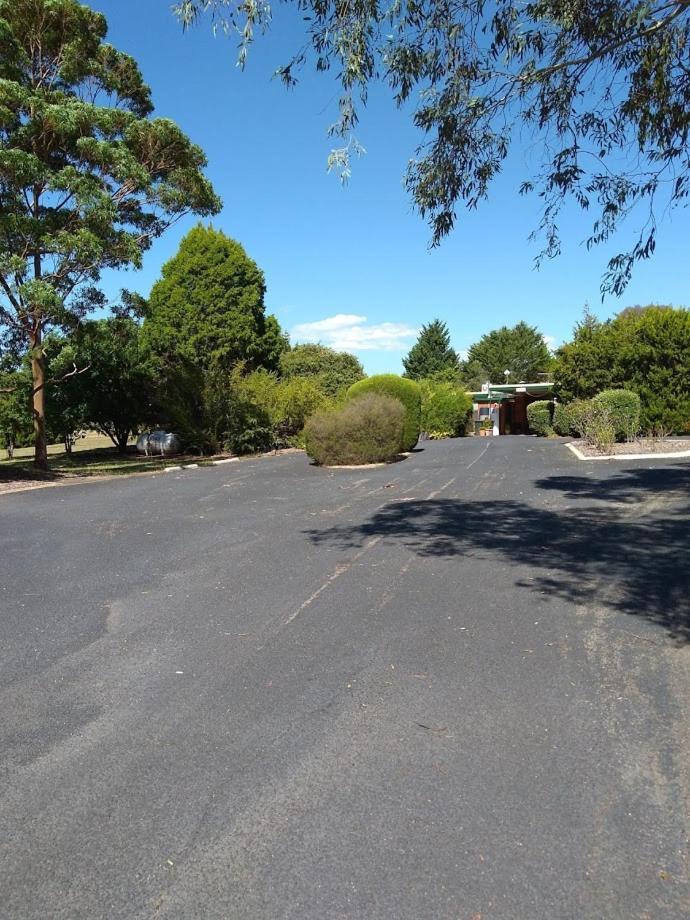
<point>350,266</point>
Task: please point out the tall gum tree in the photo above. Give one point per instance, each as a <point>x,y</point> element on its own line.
<point>87,178</point>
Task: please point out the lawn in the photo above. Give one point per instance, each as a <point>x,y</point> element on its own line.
<point>91,442</point>
<point>93,455</point>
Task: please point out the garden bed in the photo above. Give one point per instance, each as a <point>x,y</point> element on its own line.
<point>642,448</point>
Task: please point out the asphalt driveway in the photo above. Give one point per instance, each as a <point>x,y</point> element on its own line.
<point>455,687</point>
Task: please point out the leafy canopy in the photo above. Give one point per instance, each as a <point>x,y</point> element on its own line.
<point>432,353</point>
<point>646,350</point>
<point>603,88</point>
<point>520,350</point>
<point>15,412</point>
<point>85,186</point>
<point>288,401</point>
<point>115,390</point>
<point>333,371</point>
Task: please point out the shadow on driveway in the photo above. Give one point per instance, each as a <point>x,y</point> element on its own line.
<point>630,555</point>
<point>633,485</point>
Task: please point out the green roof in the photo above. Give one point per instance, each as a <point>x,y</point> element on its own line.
<point>501,391</point>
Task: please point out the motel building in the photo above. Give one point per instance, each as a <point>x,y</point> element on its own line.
<point>501,408</point>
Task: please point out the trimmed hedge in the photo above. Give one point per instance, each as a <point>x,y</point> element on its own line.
<point>366,430</point>
<point>623,407</point>
<point>539,416</point>
<point>406,391</point>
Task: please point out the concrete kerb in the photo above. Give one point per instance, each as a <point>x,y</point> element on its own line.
<point>659,455</point>
<point>195,466</point>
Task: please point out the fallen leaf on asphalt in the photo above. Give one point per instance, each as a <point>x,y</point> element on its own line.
<point>431,728</point>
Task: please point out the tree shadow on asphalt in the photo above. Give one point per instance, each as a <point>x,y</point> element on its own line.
<point>629,554</point>
<point>632,485</point>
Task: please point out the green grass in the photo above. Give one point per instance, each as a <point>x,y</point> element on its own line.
<point>92,441</point>
<point>91,457</point>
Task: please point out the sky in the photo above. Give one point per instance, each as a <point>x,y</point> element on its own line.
<point>351,266</point>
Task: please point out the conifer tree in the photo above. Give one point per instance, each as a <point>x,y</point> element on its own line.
<point>207,311</point>
<point>431,355</point>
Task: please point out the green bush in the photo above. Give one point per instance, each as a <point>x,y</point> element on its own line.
<point>287,403</point>
<point>252,432</point>
<point>406,391</point>
<point>445,408</point>
<point>233,420</point>
<point>563,420</point>
<point>368,429</point>
<point>592,420</point>
<point>296,400</point>
<point>539,415</point>
<point>333,371</point>
<point>623,407</point>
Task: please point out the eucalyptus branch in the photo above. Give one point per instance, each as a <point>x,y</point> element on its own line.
<point>73,373</point>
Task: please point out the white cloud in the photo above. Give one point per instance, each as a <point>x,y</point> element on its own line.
<point>352,332</point>
<point>552,342</point>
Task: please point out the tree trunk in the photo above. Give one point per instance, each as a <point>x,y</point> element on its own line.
<point>10,448</point>
<point>38,364</point>
<point>122,437</point>
<point>38,373</point>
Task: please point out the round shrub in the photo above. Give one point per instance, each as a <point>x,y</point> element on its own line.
<point>623,407</point>
<point>563,419</point>
<point>366,430</point>
<point>445,408</point>
<point>539,414</point>
<point>406,391</point>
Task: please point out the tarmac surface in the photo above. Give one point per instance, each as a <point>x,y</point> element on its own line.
<point>453,687</point>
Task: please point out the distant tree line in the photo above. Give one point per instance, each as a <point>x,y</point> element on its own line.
<point>644,349</point>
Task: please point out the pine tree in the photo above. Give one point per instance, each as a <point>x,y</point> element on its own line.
<point>431,355</point>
